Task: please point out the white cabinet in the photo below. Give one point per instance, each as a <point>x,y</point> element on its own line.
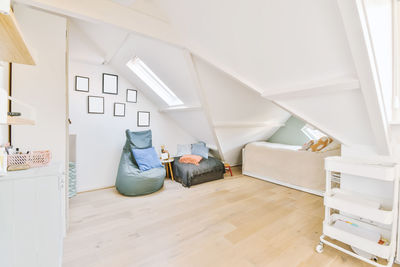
<point>31,217</point>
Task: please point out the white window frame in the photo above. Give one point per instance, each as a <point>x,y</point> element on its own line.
<point>137,66</point>
<point>312,133</point>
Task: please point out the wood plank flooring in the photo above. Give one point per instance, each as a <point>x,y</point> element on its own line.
<point>237,221</point>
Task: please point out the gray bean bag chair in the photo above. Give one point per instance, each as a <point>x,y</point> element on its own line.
<point>131,181</point>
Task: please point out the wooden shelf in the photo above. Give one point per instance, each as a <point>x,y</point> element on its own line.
<point>12,45</point>
<point>18,121</point>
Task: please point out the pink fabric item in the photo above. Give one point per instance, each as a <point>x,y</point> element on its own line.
<point>190,159</point>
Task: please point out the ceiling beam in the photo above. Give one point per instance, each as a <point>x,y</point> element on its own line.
<point>301,90</point>
<point>235,124</point>
<point>108,12</point>
<point>358,36</point>
<point>181,109</point>
<point>201,94</point>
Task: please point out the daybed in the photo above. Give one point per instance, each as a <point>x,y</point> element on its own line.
<point>189,174</point>
<point>285,165</point>
<point>131,181</point>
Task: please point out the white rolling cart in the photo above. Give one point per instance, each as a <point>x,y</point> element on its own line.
<point>364,222</point>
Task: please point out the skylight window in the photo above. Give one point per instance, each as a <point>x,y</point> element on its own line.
<point>312,133</point>
<point>150,78</point>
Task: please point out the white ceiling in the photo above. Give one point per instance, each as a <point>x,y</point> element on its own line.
<point>147,7</point>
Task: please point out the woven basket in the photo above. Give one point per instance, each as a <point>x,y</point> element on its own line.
<point>34,159</point>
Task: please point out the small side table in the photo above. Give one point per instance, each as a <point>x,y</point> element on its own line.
<point>168,167</point>
<point>228,168</point>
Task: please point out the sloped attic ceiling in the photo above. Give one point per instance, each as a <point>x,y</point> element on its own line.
<point>269,47</point>
<point>146,7</point>
<point>212,96</point>
<point>267,42</point>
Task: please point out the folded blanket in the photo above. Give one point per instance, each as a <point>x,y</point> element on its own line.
<point>191,159</point>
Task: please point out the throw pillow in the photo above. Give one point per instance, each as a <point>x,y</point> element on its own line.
<point>184,150</point>
<point>307,145</point>
<point>146,158</point>
<point>332,146</point>
<point>190,159</point>
<point>200,149</point>
<point>321,143</point>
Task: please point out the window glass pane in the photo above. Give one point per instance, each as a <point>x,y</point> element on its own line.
<point>150,78</point>
<point>312,133</point>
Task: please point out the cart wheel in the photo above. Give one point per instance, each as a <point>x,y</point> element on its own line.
<point>320,248</point>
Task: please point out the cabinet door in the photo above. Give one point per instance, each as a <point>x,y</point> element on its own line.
<point>30,222</point>
<point>48,219</point>
<point>25,223</point>
<point>7,241</point>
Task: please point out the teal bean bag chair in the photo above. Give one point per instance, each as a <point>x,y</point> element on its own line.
<point>131,181</point>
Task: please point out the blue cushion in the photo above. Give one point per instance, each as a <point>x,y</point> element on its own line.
<point>140,139</point>
<point>200,149</point>
<point>146,158</point>
<point>183,150</point>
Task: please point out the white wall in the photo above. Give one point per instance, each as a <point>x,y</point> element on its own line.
<point>101,137</point>
<point>43,85</point>
<point>4,83</point>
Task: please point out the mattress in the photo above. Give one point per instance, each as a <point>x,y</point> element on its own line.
<point>276,145</point>
<point>286,165</point>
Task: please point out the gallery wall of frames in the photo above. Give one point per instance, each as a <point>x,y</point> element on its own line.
<point>109,86</point>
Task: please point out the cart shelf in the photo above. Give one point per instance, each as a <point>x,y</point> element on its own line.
<point>383,251</point>
<point>381,171</point>
<point>358,205</point>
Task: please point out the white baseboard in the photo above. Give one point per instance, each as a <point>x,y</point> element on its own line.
<point>304,189</point>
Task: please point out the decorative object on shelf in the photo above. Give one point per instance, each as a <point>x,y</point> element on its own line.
<point>95,104</point>
<point>119,109</point>
<point>110,84</point>
<point>164,153</point>
<point>28,160</point>
<point>14,114</point>
<point>131,96</point>
<point>81,84</point>
<point>29,117</point>
<point>143,119</point>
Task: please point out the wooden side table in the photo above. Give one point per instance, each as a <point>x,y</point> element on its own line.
<point>168,167</point>
<point>228,168</point>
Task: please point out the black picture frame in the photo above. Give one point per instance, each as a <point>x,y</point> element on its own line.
<point>139,124</point>
<point>127,95</point>
<point>89,104</point>
<point>78,86</point>
<point>115,109</point>
<point>110,80</point>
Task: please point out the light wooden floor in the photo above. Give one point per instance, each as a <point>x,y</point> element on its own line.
<point>238,221</point>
